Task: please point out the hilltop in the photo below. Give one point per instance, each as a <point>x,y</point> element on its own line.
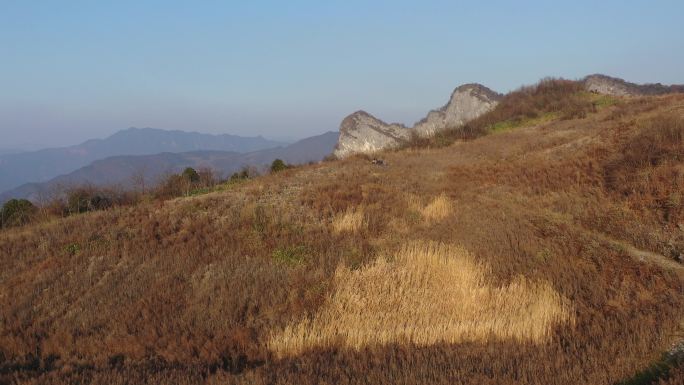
<point>538,243</point>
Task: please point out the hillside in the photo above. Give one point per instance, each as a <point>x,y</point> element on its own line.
<point>538,244</point>
<point>119,170</point>
<point>40,166</point>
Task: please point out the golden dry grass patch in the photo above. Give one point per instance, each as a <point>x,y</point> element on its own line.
<point>437,210</point>
<point>351,221</point>
<point>429,293</point>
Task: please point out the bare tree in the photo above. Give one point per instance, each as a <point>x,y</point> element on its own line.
<point>139,178</point>
<point>207,177</point>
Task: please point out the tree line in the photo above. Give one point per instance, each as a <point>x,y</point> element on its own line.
<point>81,199</point>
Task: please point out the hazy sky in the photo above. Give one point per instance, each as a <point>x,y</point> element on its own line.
<point>73,70</point>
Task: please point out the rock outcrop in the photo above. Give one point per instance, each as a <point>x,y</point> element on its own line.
<point>602,84</point>
<point>467,102</point>
<point>361,132</point>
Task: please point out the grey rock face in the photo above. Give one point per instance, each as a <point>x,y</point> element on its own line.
<point>360,132</point>
<point>602,84</point>
<point>467,102</point>
<point>607,85</point>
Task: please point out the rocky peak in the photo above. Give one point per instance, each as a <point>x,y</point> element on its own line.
<point>361,132</point>
<point>603,84</point>
<point>359,118</point>
<point>467,102</point>
<point>478,90</point>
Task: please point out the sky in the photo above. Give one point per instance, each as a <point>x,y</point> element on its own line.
<point>75,70</point>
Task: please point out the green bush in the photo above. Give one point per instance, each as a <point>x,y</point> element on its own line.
<point>191,175</point>
<point>16,212</point>
<point>278,165</point>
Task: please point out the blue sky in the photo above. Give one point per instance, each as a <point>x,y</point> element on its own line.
<point>73,70</point>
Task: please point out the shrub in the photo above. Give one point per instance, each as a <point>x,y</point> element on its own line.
<point>191,175</point>
<point>278,165</point>
<point>72,248</point>
<point>238,176</point>
<point>16,212</point>
<point>84,199</point>
<point>245,173</point>
<point>292,255</point>
<point>189,182</point>
<point>206,177</point>
<point>173,185</point>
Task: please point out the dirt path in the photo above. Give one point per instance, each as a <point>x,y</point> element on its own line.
<point>646,256</point>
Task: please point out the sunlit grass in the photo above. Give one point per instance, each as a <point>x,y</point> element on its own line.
<point>351,221</point>
<point>426,293</point>
<point>438,209</point>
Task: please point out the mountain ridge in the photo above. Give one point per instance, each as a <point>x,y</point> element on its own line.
<point>42,165</point>
<point>119,170</point>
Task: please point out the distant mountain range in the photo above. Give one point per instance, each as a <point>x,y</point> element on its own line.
<point>119,170</point>
<point>17,169</point>
<point>5,151</point>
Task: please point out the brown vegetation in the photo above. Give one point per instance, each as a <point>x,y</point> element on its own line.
<point>200,289</point>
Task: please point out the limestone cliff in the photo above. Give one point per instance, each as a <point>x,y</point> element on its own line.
<point>467,102</point>
<point>360,132</point>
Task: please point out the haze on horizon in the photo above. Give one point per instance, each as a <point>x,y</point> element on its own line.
<point>75,70</point>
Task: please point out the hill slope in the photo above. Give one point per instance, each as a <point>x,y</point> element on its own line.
<point>541,253</point>
<point>40,166</point>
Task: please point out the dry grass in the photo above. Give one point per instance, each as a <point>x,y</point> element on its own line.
<point>351,221</point>
<point>438,209</point>
<point>425,295</point>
